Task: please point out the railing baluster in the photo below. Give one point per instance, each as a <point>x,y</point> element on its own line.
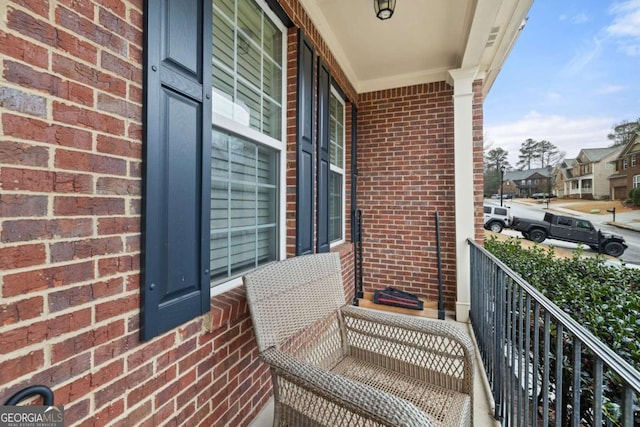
<point>547,368</point>
<point>501,303</point>
<point>577,371</point>
<point>498,349</point>
<point>627,406</point>
<point>521,383</point>
<point>534,370</point>
<point>512,352</point>
<point>597,392</point>
<point>559,357</point>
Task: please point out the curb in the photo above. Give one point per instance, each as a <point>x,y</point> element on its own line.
<point>623,225</point>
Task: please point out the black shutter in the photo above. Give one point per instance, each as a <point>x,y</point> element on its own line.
<point>324,88</point>
<point>177,143</point>
<point>305,144</point>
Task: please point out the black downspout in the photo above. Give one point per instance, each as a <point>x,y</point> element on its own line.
<point>356,215</point>
<point>440,291</point>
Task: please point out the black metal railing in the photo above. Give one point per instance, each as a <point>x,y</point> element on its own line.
<point>543,367</point>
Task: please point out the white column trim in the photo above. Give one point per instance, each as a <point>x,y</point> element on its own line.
<point>462,80</point>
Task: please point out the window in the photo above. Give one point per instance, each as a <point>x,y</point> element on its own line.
<point>336,173</point>
<point>633,160</point>
<point>636,181</point>
<point>247,149</point>
<point>624,163</point>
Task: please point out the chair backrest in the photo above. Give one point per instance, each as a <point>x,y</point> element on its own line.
<point>287,296</point>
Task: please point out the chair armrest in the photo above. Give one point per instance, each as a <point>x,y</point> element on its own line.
<point>434,351</point>
<point>330,399</point>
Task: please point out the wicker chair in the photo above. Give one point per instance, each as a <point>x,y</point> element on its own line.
<point>339,365</point>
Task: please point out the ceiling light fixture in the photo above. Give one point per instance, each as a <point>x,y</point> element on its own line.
<point>384,8</point>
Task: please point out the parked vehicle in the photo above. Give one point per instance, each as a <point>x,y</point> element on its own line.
<point>496,218</point>
<point>543,196</point>
<point>570,229</point>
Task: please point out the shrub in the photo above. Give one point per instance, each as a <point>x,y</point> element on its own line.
<point>603,298</point>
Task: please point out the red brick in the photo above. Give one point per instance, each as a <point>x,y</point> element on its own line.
<point>77,47</point>
<point>120,264</point>
<point>119,107</point>
<point>134,131</point>
<point>150,351</point>
<point>74,391</point>
<point>116,348</point>
<point>30,229</point>
<point>36,130</point>
<point>116,308</point>
<point>85,341</point>
<point>80,249</point>
<point>118,187</point>
<point>15,257</point>
<point>104,417</point>
<point>21,310</point>
<point>17,153</point>
<point>91,206</point>
<point>119,147</point>
<point>118,389</point>
<point>31,27</point>
<point>88,119</point>
<point>30,281</point>
<point>26,180</point>
<point>74,160</point>
<point>17,205</point>
<point>22,365</point>
<point>23,50</point>
<point>118,225</point>
<point>74,413</point>
<point>84,28</point>
<point>13,99</point>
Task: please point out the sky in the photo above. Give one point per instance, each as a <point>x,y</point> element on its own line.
<point>573,73</point>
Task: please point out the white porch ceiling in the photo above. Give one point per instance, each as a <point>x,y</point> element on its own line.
<point>422,40</point>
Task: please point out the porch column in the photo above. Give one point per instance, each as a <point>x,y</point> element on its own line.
<point>462,80</point>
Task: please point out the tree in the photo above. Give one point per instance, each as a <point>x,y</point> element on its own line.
<point>493,161</point>
<point>543,151</point>
<point>623,132</point>
<point>528,151</point>
<point>546,152</point>
<point>495,158</point>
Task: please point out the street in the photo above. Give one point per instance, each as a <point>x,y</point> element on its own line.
<point>536,211</point>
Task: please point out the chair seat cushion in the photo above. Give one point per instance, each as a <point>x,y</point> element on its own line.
<point>445,407</point>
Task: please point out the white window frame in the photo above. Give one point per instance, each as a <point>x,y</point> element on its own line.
<point>341,171</point>
<point>636,181</point>
<point>633,160</point>
<point>231,126</point>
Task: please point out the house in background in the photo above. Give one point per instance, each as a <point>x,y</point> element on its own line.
<point>627,167</point>
<point>524,183</point>
<point>590,173</point>
<point>562,173</point>
<point>152,152</point>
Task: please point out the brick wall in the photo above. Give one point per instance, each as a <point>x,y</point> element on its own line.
<point>406,175</point>
<point>70,224</point>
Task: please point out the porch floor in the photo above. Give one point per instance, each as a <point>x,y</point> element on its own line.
<point>482,403</point>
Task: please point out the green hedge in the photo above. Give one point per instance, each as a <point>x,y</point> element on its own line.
<point>601,297</point>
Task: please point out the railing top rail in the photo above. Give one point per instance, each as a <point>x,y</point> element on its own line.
<point>628,373</point>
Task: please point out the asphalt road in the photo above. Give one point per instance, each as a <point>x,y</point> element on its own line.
<point>631,256</point>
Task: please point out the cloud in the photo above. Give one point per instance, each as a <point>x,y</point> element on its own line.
<point>580,18</point>
<point>569,134</point>
<point>608,89</point>
<point>625,28</point>
<point>591,50</point>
